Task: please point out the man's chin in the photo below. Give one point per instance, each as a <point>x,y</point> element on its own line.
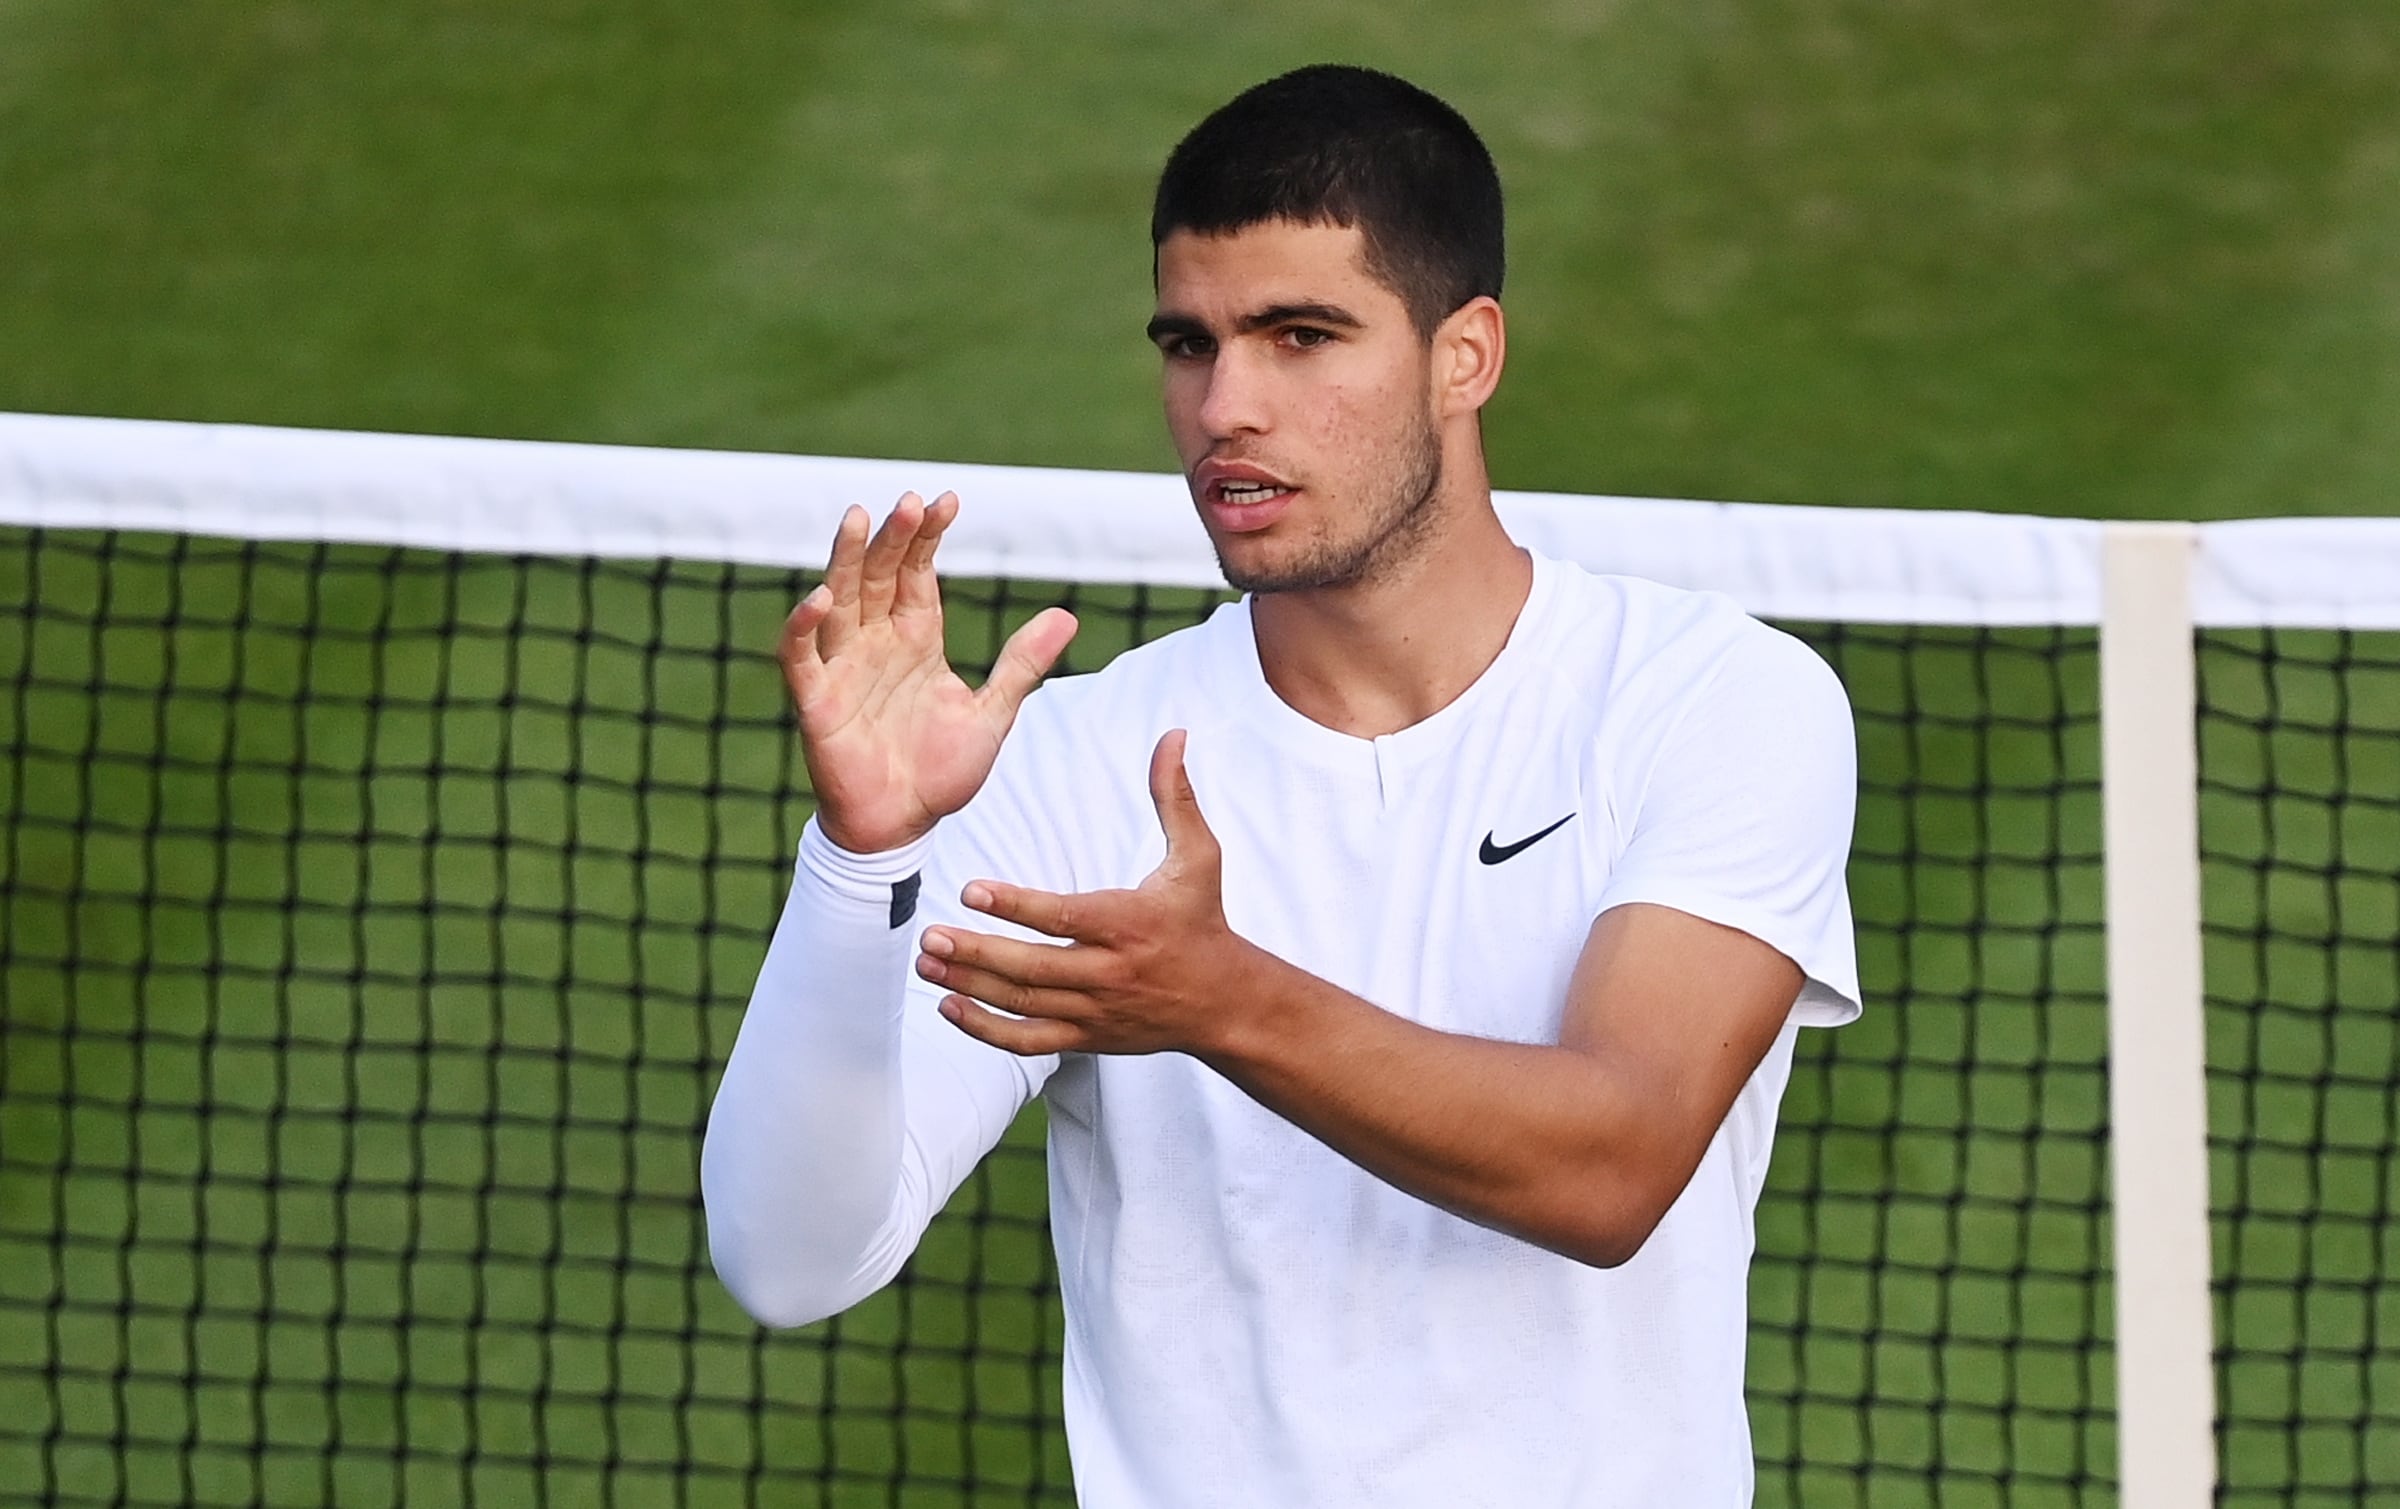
<point>1251,569</point>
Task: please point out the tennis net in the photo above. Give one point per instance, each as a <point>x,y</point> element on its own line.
<point>393,829</point>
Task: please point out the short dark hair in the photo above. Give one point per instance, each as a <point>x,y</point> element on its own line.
<point>1336,145</point>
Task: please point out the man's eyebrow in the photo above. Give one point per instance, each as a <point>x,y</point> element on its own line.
<point>1165,325</point>
<point>1298,314</point>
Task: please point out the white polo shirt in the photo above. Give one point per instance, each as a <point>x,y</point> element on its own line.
<point>1252,1320</point>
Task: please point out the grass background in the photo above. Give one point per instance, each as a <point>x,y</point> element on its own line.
<point>372,928</point>
<point>2113,258</point>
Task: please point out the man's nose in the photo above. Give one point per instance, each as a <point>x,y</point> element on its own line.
<point>1235,403</point>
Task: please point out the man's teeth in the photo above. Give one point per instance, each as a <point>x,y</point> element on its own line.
<point>1249,492</point>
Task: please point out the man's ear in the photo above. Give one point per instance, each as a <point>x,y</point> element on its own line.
<point>1469,350</point>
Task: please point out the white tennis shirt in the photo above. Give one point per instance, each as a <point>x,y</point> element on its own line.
<point>1252,1320</point>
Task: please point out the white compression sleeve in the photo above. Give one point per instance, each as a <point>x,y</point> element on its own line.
<point>845,1118</point>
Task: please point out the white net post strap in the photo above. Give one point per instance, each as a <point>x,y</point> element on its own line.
<point>2157,1047</point>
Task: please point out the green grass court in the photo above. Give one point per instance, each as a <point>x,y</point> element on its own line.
<point>405,913</point>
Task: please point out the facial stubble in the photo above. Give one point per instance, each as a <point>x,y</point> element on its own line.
<point>1399,532</point>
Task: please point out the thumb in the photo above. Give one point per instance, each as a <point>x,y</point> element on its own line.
<point>1027,658</point>
<point>1188,835</point>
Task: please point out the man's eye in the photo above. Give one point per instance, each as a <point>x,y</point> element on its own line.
<point>1307,336</point>
<point>1187,347</point>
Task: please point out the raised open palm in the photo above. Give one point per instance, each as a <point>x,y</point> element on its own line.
<point>895,740</point>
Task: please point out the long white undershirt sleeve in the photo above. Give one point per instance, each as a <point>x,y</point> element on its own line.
<point>850,1111</point>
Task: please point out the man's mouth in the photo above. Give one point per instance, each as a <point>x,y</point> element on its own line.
<point>1240,505</point>
<point>1239,497</point>
<point>1239,493</point>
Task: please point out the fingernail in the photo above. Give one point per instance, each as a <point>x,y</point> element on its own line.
<point>928,969</point>
<point>950,1008</point>
<point>939,945</point>
<point>977,895</point>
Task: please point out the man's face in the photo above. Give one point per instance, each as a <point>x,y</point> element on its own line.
<point>1299,398</point>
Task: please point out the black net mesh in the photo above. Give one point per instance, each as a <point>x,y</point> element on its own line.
<point>373,924</point>
<point>2300,842</point>
<point>1930,1302</point>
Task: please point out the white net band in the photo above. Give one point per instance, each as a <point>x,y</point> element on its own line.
<point>1854,565</point>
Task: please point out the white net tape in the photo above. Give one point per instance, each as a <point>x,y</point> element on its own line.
<point>1854,565</point>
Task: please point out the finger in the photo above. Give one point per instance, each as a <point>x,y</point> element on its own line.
<point>996,989</point>
<point>1083,919</point>
<point>1188,835</point>
<point>879,573</point>
<point>840,624</point>
<point>1041,965</point>
<point>918,590</point>
<point>798,649</point>
<point>1026,659</point>
<point>1029,1039</point>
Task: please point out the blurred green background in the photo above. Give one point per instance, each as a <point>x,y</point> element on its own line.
<point>371,925</point>
<point>2111,257</point>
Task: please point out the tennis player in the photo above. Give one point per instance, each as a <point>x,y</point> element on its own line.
<point>1410,955</point>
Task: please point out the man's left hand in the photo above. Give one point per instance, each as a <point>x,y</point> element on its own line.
<point>1150,970</point>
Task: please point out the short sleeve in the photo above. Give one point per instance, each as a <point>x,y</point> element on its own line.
<point>1742,816</point>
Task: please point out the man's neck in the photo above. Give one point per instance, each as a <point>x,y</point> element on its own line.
<point>1379,655</point>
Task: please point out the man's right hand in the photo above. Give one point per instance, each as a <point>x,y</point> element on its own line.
<point>894,740</point>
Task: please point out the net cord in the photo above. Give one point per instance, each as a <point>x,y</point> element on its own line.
<point>1025,523</point>
<point>1855,565</point>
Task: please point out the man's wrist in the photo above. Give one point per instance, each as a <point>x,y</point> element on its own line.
<point>870,843</point>
<point>1252,997</point>
<point>888,876</point>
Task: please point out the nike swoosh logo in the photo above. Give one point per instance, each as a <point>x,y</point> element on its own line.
<point>1492,853</point>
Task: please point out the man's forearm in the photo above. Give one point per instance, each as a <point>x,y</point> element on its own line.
<point>801,1168</point>
<point>1529,1139</point>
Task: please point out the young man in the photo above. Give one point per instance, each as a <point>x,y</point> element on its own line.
<point>1410,955</point>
